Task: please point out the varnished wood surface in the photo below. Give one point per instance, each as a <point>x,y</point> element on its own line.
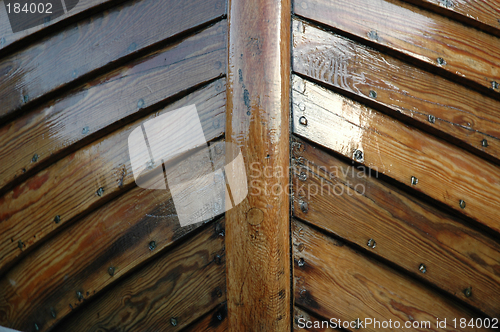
<point>422,36</point>
<point>483,15</point>
<point>335,281</point>
<point>258,111</point>
<point>117,236</point>
<point>90,45</point>
<point>8,38</point>
<point>126,91</point>
<point>444,172</point>
<point>213,322</point>
<point>358,207</point>
<point>69,188</point>
<point>171,292</point>
<point>436,104</point>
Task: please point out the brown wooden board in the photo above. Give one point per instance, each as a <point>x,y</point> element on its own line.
<point>356,206</point>
<point>70,187</point>
<point>483,15</point>
<point>445,45</point>
<point>121,235</point>
<point>334,281</point>
<point>216,321</point>
<point>444,172</point>
<point>8,38</point>
<point>437,104</point>
<point>96,42</point>
<point>128,90</point>
<point>304,321</point>
<point>258,122</point>
<point>168,294</point>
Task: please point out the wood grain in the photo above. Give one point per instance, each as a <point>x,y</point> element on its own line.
<point>483,15</point>
<point>458,114</point>
<point>421,36</point>
<point>183,285</point>
<point>357,207</point>
<point>258,111</point>
<point>127,91</point>
<point>335,281</point>
<point>444,172</point>
<point>305,321</point>
<point>213,322</point>
<point>9,39</point>
<point>69,187</point>
<point>86,47</point>
<point>117,236</point>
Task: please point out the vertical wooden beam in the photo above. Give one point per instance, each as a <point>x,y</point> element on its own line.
<point>258,113</point>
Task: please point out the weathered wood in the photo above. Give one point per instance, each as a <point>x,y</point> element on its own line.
<point>483,15</point>
<point>404,90</point>
<point>356,206</point>
<point>94,43</point>
<point>69,188</point>
<point>128,90</point>
<point>421,36</point>
<point>117,236</point>
<point>302,319</point>
<point>167,295</point>
<point>258,99</point>
<point>9,38</point>
<point>446,173</point>
<point>334,281</point>
<point>214,322</point>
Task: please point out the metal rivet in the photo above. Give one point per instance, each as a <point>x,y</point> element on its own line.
<point>20,244</point>
<point>111,271</point>
<point>85,130</point>
<point>422,268</point>
<point>303,176</point>
<point>432,118</point>
<point>140,103</point>
<point>152,245</point>
<point>53,313</point>
<point>301,262</point>
<point>218,292</point>
<point>36,327</point>
<point>462,203</point>
<point>57,219</point>
<point>79,295</point>
<point>34,158</point>
<point>302,107</point>
<point>218,259</point>
<point>484,143</point>
<point>23,170</point>
<point>74,73</point>
<point>414,181</point>
<point>26,98</point>
<point>2,41</point>
<point>373,35</point>
<point>441,61</point>
<point>494,84</point>
<point>301,247</point>
<point>100,192</point>
<point>468,292</point>
<point>173,321</point>
<point>371,243</point>
<point>358,324</point>
<point>358,155</point>
<point>303,120</point>
<point>304,207</point>
<point>372,94</point>
<point>219,316</point>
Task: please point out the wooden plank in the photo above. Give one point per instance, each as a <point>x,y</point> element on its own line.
<point>444,45</point>
<point>305,321</point>
<point>214,322</point>
<point>167,295</point>
<point>358,207</point>
<point>130,90</point>
<point>122,235</point>
<point>483,15</point>
<point>70,187</point>
<point>258,99</point>
<point>9,39</point>
<point>435,104</point>
<point>95,43</point>
<point>335,281</point>
<point>455,177</point>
